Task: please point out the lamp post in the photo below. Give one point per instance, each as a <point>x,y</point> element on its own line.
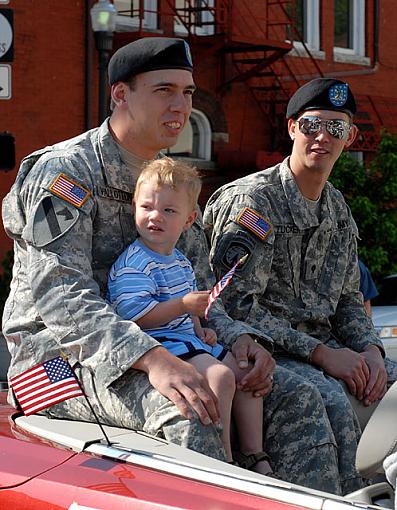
<point>103,21</point>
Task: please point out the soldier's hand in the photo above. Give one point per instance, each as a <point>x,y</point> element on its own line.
<point>377,383</point>
<point>181,383</point>
<point>345,364</point>
<point>259,379</point>
<point>196,302</point>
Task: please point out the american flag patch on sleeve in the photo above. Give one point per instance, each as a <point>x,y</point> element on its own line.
<point>254,222</point>
<point>69,190</point>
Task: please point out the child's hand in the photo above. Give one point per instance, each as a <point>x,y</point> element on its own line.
<point>196,302</point>
<point>209,336</point>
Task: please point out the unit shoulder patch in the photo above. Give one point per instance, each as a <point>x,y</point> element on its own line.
<point>69,190</point>
<point>254,222</point>
<point>236,250</point>
<point>52,219</point>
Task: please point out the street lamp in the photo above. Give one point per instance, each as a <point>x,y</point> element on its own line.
<point>103,21</point>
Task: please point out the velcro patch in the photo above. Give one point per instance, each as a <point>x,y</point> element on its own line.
<point>52,219</point>
<point>235,252</point>
<point>70,191</point>
<point>254,222</point>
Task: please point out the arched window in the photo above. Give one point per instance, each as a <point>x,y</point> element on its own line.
<point>195,140</point>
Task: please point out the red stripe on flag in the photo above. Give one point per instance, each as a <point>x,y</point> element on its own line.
<point>219,286</point>
<point>44,385</point>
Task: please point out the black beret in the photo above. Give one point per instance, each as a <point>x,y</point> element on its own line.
<point>149,54</point>
<point>322,94</point>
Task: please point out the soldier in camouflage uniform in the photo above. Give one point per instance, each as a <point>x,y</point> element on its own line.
<point>69,214</point>
<point>300,282</point>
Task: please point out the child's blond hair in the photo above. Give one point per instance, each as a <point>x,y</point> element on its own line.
<point>173,173</point>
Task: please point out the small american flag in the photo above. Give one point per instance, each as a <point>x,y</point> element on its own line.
<point>254,222</point>
<point>223,283</point>
<point>69,190</point>
<point>45,385</point>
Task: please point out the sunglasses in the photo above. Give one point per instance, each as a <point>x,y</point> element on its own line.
<point>337,128</point>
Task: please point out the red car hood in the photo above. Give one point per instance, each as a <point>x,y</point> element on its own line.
<point>20,459</point>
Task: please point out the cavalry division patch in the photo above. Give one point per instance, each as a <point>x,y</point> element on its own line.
<point>53,218</point>
<point>69,190</point>
<point>254,222</point>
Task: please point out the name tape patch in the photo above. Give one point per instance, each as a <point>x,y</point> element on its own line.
<point>254,222</point>
<point>69,190</point>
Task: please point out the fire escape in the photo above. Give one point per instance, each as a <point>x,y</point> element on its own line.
<point>256,43</point>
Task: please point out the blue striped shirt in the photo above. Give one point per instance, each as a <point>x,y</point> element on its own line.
<point>141,278</point>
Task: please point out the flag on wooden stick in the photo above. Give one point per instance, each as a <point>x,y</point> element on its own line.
<point>222,284</point>
<point>44,385</point>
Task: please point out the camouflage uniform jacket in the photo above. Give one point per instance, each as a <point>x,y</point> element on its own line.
<point>300,281</point>
<point>63,250</point>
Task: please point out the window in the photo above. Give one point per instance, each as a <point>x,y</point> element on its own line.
<point>195,140</point>
<point>306,17</point>
<point>200,19</point>
<point>343,31</point>
<point>349,29</point>
<point>131,11</point>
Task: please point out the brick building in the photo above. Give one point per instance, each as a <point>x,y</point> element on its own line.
<point>249,56</point>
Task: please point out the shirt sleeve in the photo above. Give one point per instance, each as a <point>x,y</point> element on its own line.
<point>131,292</point>
<point>351,324</point>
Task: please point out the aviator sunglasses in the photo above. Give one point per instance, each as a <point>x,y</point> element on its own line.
<point>310,125</point>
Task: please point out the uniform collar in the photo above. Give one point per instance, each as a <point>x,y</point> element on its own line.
<point>115,171</point>
<point>302,214</point>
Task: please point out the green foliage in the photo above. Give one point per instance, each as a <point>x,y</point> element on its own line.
<point>371,192</point>
<point>5,279</point>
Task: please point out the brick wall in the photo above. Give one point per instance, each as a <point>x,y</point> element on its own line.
<point>49,90</point>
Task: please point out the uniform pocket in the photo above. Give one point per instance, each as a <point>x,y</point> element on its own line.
<point>335,263</point>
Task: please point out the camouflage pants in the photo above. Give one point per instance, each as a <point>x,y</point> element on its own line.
<point>297,435</point>
<point>342,419</point>
<point>131,402</point>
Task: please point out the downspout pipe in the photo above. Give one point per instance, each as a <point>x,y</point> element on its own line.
<point>376,32</point>
<point>88,67</point>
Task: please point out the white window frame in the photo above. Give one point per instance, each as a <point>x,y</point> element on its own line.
<point>311,13</point>
<point>149,22</point>
<point>357,52</point>
<point>206,17</point>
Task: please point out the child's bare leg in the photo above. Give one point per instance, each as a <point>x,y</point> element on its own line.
<point>221,380</point>
<point>248,416</point>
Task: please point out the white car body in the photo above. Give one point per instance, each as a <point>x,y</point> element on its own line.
<point>385,322</point>
<point>384,314</point>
